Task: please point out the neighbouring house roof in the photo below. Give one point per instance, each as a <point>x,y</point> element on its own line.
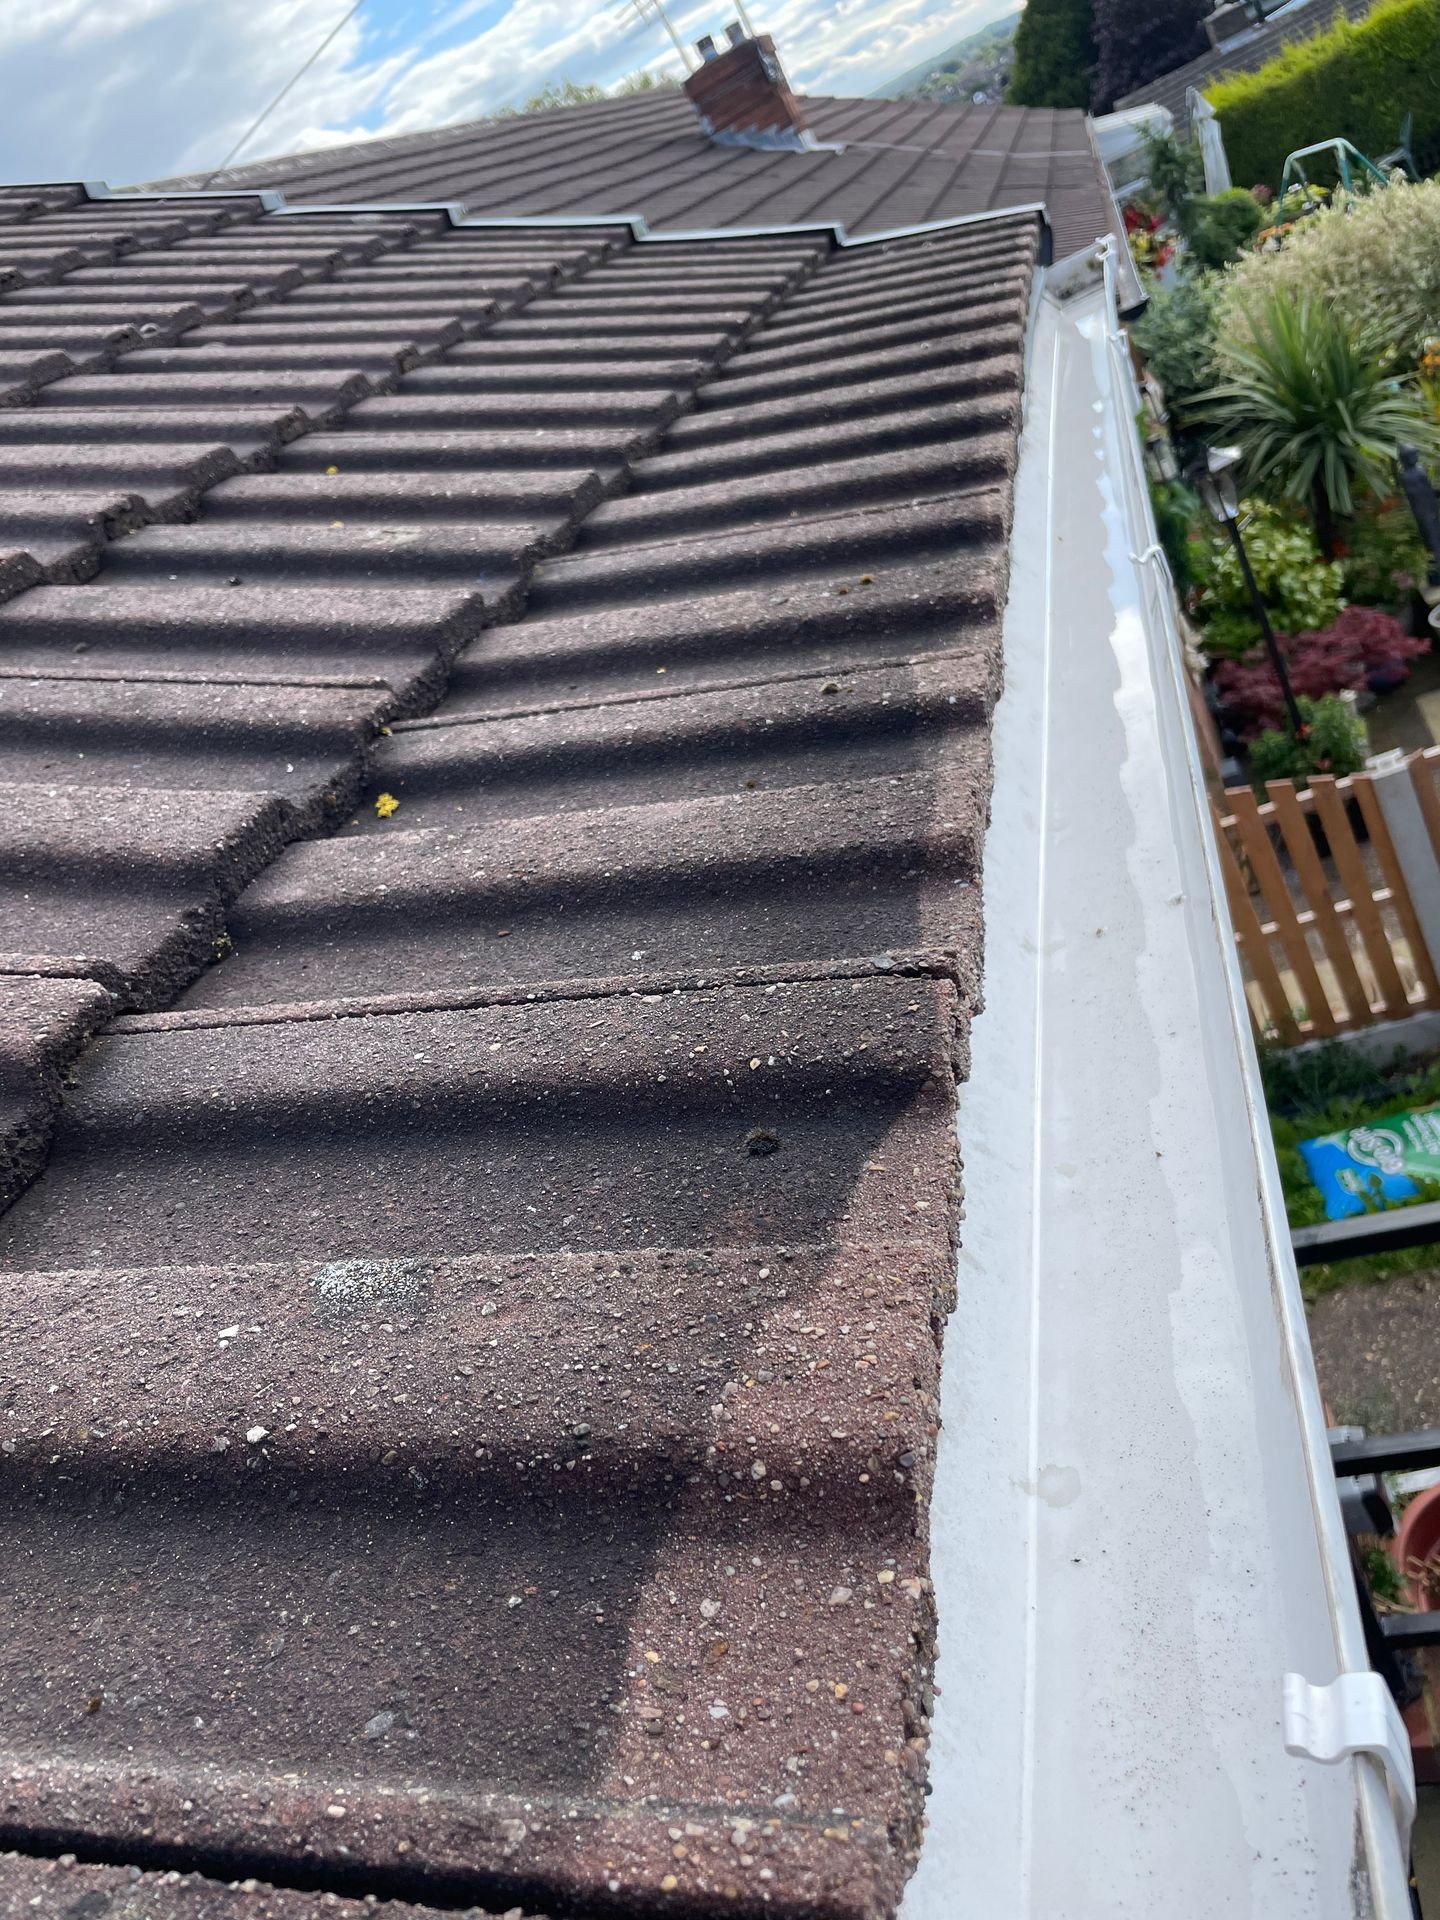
<point>1246,53</point>
<point>477,1304</point>
<point>902,162</point>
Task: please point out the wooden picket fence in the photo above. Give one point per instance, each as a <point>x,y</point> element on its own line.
<point>1327,929</point>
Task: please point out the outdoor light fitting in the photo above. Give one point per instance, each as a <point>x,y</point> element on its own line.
<point>1213,475</point>
<point>1214,478</point>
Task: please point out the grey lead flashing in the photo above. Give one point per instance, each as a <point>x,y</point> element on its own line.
<point>642,233</point>
<point>273,202</point>
<point>269,196</point>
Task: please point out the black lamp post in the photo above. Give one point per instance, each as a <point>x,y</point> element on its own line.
<point>1212,474</point>
<point>1423,504</point>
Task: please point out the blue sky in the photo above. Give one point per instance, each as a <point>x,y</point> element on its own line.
<point>129,90</point>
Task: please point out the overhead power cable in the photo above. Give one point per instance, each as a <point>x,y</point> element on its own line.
<point>290,84</point>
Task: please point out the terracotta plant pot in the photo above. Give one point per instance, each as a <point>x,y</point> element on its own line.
<point>1419,1540</point>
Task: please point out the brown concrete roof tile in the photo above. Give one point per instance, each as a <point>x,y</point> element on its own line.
<point>763,733</point>
<point>902,162</point>
<point>300,738</point>
<point>494,1319</point>
<point>211,631</point>
<point>733,636</point>
<point>44,1022</point>
<point>799,877</point>
<point>126,883</point>
<point>64,1890</point>
<point>130,1178</point>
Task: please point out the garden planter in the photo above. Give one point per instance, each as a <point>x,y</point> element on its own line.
<point>1419,1540</point>
<point>1387,679</point>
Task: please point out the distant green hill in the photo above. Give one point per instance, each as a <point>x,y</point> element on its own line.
<point>984,41</point>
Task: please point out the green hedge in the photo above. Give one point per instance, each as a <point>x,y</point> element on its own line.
<point>1358,81</point>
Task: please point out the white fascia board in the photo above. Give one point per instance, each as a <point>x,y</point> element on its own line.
<point>1136,1529</point>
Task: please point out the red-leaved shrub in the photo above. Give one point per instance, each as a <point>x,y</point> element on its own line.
<point>1361,647</point>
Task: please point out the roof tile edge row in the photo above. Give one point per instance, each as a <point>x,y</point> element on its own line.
<point>273,202</point>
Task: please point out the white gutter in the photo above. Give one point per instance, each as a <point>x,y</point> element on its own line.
<point>1137,1533</point>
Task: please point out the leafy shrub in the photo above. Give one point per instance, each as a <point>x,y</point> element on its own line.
<point>1137,40</point>
<point>1176,338</point>
<point>1382,1576</point>
<point>1377,640</point>
<point>1362,646</point>
<point>1218,225</point>
<point>1174,170</point>
<point>1334,742</point>
<point>1176,511</point>
<point>645,80</point>
<point>1354,80</point>
<point>1312,409</point>
<point>1382,555</point>
<point>1054,55</point>
<point>1301,590</point>
<point>1319,1075</point>
<point>1379,264</point>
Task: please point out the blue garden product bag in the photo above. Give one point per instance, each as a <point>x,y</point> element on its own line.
<point>1378,1162</point>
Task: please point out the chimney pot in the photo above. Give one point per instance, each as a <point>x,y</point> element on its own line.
<point>734,33</point>
<point>706,49</point>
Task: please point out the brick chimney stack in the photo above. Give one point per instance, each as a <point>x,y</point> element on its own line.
<point>742,96</point>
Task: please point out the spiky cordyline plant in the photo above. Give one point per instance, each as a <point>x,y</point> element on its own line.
<point>1313,410</point>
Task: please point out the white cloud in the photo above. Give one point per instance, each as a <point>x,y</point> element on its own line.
<point>132,89</point>
<point>129,90</point>
<point>533,42</point>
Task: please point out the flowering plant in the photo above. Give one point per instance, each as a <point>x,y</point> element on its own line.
<point>1151,246</point>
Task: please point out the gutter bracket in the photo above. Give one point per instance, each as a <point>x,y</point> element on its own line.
<point>1355,1714</point>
